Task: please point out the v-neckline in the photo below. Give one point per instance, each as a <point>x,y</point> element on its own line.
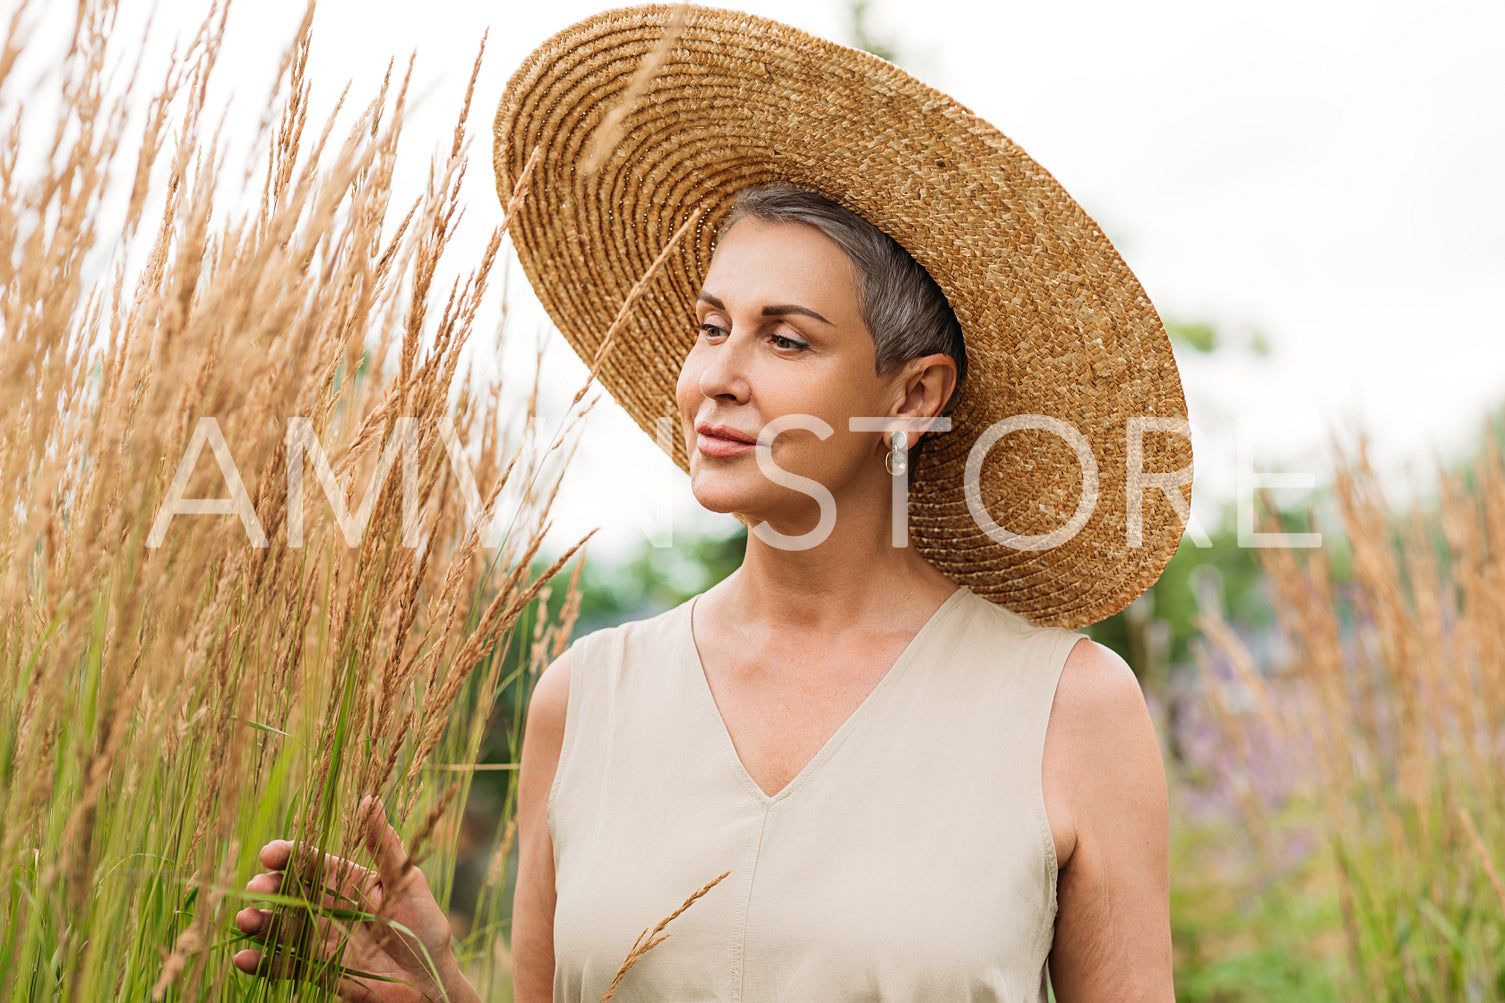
<point>703,685</point>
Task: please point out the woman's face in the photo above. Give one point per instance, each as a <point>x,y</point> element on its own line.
<point>781,334</point>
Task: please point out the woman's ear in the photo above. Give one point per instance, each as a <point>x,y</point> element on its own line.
<point>925,386</point>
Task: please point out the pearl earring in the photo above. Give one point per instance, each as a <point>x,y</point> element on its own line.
<point>897,460</point>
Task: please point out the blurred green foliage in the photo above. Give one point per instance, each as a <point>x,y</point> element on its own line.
<point>655,579</point>
<point>1205,338</point>
<point>1196,335</point>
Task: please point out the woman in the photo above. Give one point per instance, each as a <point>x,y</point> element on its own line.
<point>913,792</point>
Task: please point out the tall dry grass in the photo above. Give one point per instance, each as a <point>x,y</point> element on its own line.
<point>166,710</point>
<point>1390,707</point>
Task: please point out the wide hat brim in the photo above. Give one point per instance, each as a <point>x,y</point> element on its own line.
<point>642,120</point>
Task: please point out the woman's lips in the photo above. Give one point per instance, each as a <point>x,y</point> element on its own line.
<point>715,440</point>
<point>712,445</point>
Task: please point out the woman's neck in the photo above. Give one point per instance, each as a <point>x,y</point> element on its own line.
<point>855,574</point>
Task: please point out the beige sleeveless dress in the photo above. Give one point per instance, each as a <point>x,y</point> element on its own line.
<point>910,859</point>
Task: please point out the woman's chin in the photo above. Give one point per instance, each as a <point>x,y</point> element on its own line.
<point>717,492</point>
<point>724,502</point>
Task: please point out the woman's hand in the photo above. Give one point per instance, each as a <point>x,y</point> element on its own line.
<point>403,956</point>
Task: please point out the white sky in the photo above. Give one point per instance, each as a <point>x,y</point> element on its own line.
<point>1328,174</point>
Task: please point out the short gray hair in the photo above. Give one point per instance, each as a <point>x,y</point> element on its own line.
<point>904,309</point>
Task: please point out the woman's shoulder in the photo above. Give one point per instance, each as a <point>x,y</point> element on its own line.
<point>1097,686</point>
<point>1097,694</point>
<point>1101,735</point>
<point>595,647</point>
<point>639,630</point>
<point>1091,696</point>
<point>996,623</point>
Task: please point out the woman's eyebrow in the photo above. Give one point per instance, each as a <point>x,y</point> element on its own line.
<point>768,311</point>
<point>778,311</point>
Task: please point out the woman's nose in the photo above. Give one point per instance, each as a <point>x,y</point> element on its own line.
<point>725,372</point>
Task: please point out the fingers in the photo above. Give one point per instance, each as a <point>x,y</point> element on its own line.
<point>247,961</point>
<point>302,941</point>
<point>303,944</point>
<point>380,838</point>
<point>383,842</point>
<point>284,854</point>
<point>268,883</point>
<point>303,928</point>
<point>253,921</point>
<point>341,889</point>
<point>299,870</point>
<point>275,855</point>
<point>282,966</point>
<point>313,865</point>
<point>393,865</point>
<point>304,871</point>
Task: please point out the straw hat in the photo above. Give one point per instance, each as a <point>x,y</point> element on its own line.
<point>636,128</point>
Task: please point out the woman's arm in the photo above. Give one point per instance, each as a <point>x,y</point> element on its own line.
<point>1113,934</point>
<point>533,903</point>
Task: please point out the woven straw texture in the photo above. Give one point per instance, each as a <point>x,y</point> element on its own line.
<point>646,121</point>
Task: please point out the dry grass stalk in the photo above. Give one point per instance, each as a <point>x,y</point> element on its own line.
<point>1390,706</point>
<point>503,850</point>
<point>175,699</point>
<point>608,133</point>
<point>420,839</point>
<point>633,295</point>
<point>1486,859</point>
<point>651,938</point>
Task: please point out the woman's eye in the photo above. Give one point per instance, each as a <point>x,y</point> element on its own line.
<point>781,341</point>
<point>711,331</point>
